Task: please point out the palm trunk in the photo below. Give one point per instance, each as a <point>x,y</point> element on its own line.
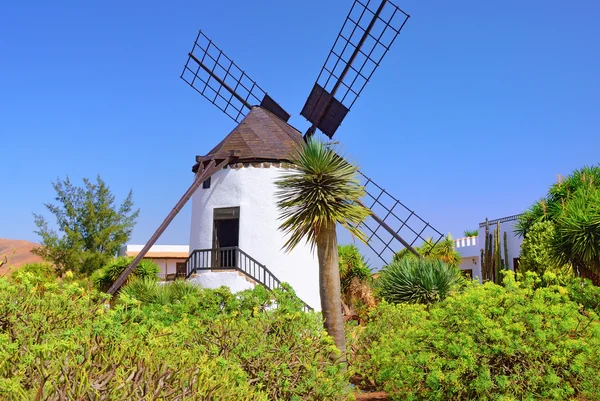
<point>329,286</point>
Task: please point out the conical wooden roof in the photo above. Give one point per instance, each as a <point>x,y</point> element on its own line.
<point>261,136</point>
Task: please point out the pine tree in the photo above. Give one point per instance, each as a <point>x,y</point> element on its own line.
<point>90,227</point>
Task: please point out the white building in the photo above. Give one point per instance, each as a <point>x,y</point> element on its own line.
<point>170,259</point>
<point>234,236</point>
<point>235,239</point>
<point>470,247</point>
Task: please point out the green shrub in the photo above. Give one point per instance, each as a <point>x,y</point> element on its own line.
<point>41,270</point>
<point>104,277</point>
<point>58,342</point>
<point>356,281</point>
<point>352,265</point>
<point>584,293</point>
<point>537,252</point>
<point>489,342</point>
<point>442,250</point>
<point>418,281</point>
<point>148,291</point>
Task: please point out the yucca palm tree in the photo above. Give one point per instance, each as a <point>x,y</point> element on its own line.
<point>320,192</point>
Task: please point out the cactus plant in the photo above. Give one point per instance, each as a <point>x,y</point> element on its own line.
<point>491,256</point>
<point>506,263</point>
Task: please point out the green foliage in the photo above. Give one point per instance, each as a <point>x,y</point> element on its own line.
<point>584,293</point>
<point>352,266</point>
<point>537,251</point>
<point>356,281</point>
<point>443,251</point>
<point>489,342</point>
<point>323,189</point>
<point>577,239</point>
<point>44,271</point>
<point>547,207</point>
<point>573,206</point>
<point>57,341</point>
<point>423,281</point>
<point>104,277</point>
<point>91,227</point>
<point>471,233</point>
<point>148,291</point>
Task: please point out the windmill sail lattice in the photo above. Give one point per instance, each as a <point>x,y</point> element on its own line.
<point>366,36</point>
<point>216,77</point>
<point>393,226</point>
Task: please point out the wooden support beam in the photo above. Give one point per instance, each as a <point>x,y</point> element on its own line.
<point>201,176</point>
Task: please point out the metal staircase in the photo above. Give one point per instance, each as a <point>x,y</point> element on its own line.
<point>234,259</point>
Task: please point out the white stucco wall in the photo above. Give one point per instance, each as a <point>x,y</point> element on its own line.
<point>471,263</point>
<point>470,248</point>
<point>167,266</point>
<point>214,280</point>
<point>252,189</point>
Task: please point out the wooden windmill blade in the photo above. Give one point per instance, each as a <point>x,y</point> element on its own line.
<point>370,29</point>
<point>393,225</point>
<point>216,77</point>
<point>363,41</point>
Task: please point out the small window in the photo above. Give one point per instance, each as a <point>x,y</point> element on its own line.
<point>206,183</point>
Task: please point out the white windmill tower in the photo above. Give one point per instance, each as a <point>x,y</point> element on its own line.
<point>234,217</point>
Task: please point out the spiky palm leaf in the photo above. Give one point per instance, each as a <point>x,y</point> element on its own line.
<point>320,192</point>
<point>322,189</point>
<point>577,238</point>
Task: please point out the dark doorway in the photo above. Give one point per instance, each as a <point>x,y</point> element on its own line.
<point>226,235</point>
<point>516,264</point>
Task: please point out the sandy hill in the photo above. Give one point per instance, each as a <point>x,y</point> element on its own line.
<point>22,253</point>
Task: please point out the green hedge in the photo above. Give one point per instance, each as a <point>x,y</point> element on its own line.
<point>58,340</point>
<point>490,342</point>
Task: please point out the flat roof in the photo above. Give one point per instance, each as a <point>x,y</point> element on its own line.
<point>157,251</point>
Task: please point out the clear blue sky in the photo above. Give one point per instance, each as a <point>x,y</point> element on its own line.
<point>473,113</point>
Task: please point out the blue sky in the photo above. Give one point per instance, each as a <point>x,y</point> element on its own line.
<point>473,113</point>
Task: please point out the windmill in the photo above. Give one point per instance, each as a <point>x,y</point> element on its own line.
<point>263,138</point>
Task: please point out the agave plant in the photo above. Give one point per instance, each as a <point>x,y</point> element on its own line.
<point>423,281</point>
<point>104,277</point>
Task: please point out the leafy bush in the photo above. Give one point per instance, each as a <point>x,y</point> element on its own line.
<point>577,239</point>
<point>488,342</point>
<point>41,270</point>
<point>104,277</point>
<point>443,250</point>
<point>537,252</point>
<point>414,280</point>
<point>58,342</point>
<point>355,280</point>
<point>572,205</point>
<point>584,293</point>
<point>352,265</point>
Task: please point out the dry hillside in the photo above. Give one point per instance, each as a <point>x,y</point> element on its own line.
<point>22,253</point>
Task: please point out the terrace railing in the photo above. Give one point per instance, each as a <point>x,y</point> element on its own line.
<point>233,258</point>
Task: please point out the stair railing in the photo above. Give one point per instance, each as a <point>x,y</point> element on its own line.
<point>233,258</point>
